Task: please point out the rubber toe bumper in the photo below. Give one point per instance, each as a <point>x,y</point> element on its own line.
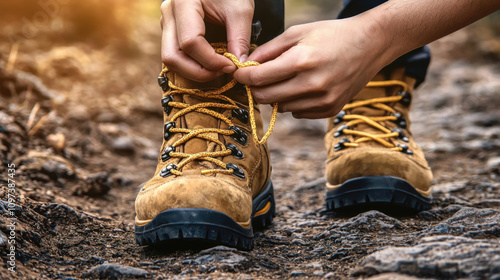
<point>210,226</point>
<point>388,194</point>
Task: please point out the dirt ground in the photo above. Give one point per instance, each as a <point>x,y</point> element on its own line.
<point>81,127</point>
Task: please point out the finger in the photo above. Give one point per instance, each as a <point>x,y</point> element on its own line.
<point>277,46</point>
<point>190,35</point>
<point>239,29</point>
<point>274,71</point>
<point>313,107</point>
<point>302,85</point>
<point>176,60</point>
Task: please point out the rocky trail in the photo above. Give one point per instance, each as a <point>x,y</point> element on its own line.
<point>80,129</point>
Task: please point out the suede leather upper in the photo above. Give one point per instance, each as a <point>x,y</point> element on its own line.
<point>226,193</point>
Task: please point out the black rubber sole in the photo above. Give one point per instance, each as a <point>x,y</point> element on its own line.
<point>391,195</point>
<point>193,225</point>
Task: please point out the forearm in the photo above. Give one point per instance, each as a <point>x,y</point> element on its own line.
<point>404,25</point>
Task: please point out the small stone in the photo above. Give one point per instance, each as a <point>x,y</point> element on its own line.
<point>123,145</point>
<point>493,164</point>
<point>315,265</point>
<point>296,273</point>
<point>318,273</point>
<point>56,141</point>
<point>449,187</point>
<point>487,120</point>
<point>3,239</point>
<point>57,169</point>
<point>371,220</point>
<point>115,271</point>
<point>220,254</point>
<point>330,275</point>
<point>97,184</point>
<point>300,242</point>
<point>308,224</point>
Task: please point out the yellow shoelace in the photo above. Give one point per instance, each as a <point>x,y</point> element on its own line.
<point>378,103</point>
<point>220,48</point>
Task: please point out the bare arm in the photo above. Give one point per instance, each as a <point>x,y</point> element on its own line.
<point>314,69</point>
<point>410,24</point>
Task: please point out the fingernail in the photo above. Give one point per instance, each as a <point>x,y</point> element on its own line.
<point>229,69</point>
<point>243,58</point>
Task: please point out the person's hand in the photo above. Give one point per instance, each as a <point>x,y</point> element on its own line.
<point>184,47</point>
<point>313,70</point>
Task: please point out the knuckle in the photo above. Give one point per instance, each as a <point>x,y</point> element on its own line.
<point>314,84</point>
<point>304,63</point>
<point>187,44</point>
<point>168,59</point>
<point>255,78</point>
<point>260,98</point>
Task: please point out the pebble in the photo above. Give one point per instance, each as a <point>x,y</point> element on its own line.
<point>493,164</point>
<point>3,239</point>
<point>371,220</point>
<point>450,257</point>
<point>115,271</point>
<point>449,187</point>
<point>308,224</point>
<point>219,254</point>
<point>296,273</point>
<point>330,275</point>
<point>123,145</point>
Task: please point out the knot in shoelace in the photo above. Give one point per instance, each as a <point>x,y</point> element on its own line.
<point>375,121</point>
<point>204,107</point>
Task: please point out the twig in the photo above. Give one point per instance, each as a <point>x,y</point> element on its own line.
<point>12,57</point>
<point>39,124</point>
<point>31,118</point>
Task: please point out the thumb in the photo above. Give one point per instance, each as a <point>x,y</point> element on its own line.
<point>239,29</point>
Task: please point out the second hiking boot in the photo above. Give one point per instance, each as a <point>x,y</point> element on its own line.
<point>373,162</point>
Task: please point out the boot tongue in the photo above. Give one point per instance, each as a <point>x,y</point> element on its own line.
<point>195,120</point>
<point>375,92</point>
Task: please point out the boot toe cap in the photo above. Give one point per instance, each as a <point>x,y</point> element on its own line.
<point>379,162</point>
<point>201,192</point>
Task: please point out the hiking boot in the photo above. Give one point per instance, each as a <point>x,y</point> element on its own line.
<point>212,183</point>
<point>373,162</point>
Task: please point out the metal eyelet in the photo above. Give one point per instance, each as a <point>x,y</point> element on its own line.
<point>165,172</point>
<point>166,154</point>
<point>236,170</point>
<point>235,151</point>
<point>401,134</point>
<point>166,130</point>
<point>401,121</point>
<point>240,114</point>
<point>339,117</point>
<point>406,100</point>
<point>164,104</point>
<point>339,131</point>
<point>239,136</point>
<point>340,145</point>
<point>405,148</point>
<point>163,83</point>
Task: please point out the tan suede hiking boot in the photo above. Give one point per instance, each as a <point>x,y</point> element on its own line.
<point>212,182</point>
<point>373,162</point>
